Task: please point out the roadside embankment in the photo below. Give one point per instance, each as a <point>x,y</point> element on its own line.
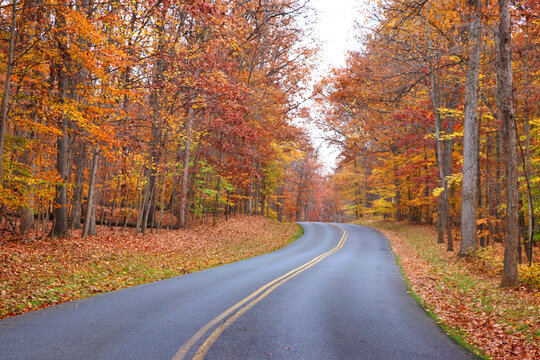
<point>463,295</point>
<point>41,273</point>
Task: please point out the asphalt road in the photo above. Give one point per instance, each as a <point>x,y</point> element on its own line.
<point>335,293</point>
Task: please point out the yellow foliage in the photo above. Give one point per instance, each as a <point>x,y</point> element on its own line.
<point>445,112</point>
<point>487,258</point>
<point>454,179</point>
<point>529,275</point>
<point>443,136</point>
<point>437,191</point>
<point>487,117</point>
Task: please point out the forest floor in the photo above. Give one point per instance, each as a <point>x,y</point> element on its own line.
<point>464,296</point>
<point>41,273</point>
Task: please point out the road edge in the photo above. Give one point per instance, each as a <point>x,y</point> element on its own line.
<point>455,334</point>
<point>284,242</point>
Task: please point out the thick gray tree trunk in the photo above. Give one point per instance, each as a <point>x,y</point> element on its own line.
<point>469,242</point>
<point>510,274</point>
<point>62,69</point>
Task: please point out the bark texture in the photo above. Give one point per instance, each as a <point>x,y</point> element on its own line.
<point>89,227</point>
<point>185,172</point>
<point>469,242</point>
<point>510,274</point>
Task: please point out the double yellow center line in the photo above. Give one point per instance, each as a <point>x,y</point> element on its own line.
<point>244,305</point>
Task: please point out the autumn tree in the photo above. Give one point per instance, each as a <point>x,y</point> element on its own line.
<point>146,112</point>
<point>415,115</point>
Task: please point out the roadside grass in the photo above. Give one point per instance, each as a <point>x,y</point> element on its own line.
<point>46,272</point>
<point>463,295</point>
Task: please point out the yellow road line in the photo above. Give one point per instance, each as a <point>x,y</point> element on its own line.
<point>265,290</point>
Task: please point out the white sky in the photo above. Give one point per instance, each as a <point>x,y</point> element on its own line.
<point>334,28</point>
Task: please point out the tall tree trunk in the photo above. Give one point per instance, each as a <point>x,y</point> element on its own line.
<point>185,171</point>
<point>75,221</point>
<point>435,94</point>
<point>218,185</point>
<point>162,202</point>
<point>148,212</point>
<point>60,201</point>
<point>263,196</point>
<point>61,69</point>
<point>143,198</point>
<point>498,187</point>
<point>89,227</point>
<point>398,200</point>
<point>357,191</point>
<point>26,213</point>
<point>249,208</point>
<point>510,274</point>
<point>110,218</point>
<point>397,186</point>
<point>490,189</point>
<point>279,203</point>
<point>469,242</point>
<point>480,211</point>
<point>298,204</point>
<point>7,85</point>
<point>190,184</point>
<point>529,238</point>
<point>256,197</point>
<point>527,161</point>
<point>447,163</point>
<point>443,202</point>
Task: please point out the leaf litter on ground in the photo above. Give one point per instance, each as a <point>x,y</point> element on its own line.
<point>45,272</point>
<point>465,295</point>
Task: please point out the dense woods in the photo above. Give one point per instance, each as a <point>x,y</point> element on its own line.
<point>438,121</point>
<point>145,139</point>
<point>152,114</point>
<point>141,115</point>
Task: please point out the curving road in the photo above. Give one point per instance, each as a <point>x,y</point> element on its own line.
<point>335,293</point>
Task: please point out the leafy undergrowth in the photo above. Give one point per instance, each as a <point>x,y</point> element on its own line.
<point>464,295</point>
<point>46,272</point>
